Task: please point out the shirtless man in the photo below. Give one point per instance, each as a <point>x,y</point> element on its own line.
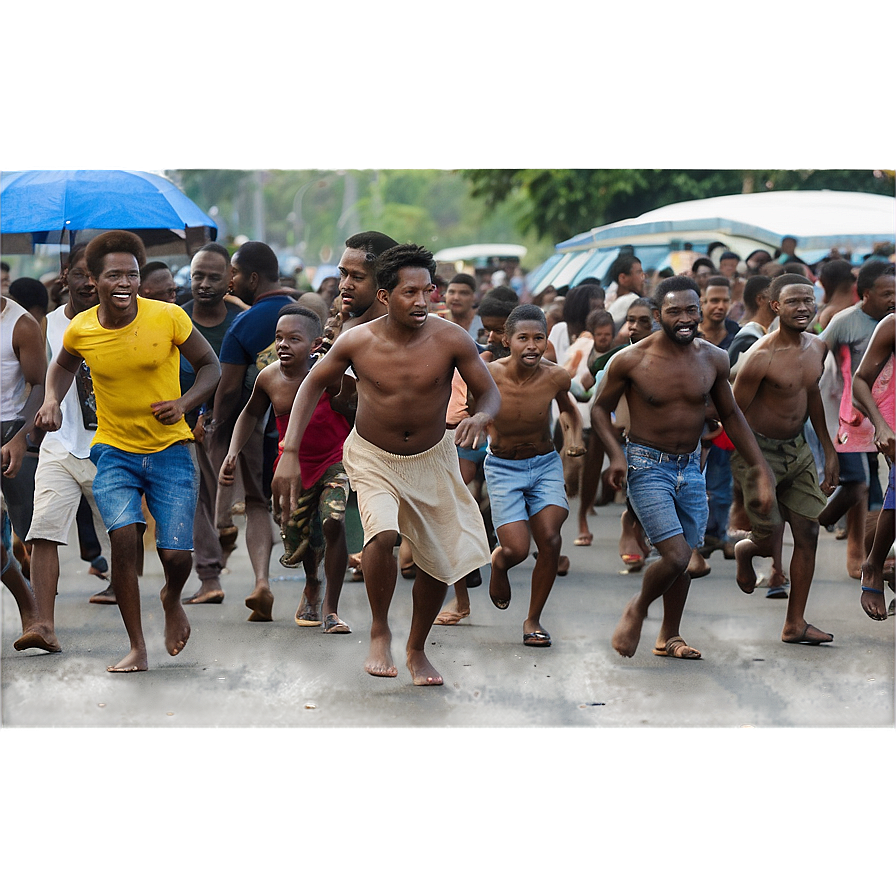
<point>133,348</point>
<point>666,379</point>
<point>777,390</point>
<point>523,470</point>
<point>400,457</point>
<point>872,395</point>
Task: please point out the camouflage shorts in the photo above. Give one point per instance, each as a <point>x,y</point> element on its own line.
<point>325,500</point>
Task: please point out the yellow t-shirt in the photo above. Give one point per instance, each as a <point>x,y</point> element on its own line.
<point>132,368</point>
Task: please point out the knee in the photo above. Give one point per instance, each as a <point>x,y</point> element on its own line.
<point>382,542</point>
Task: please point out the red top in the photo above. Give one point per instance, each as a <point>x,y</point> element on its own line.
<point>321,445</point>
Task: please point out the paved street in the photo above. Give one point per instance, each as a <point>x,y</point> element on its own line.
<point>239,674</point>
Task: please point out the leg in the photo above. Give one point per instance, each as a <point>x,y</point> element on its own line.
<point>855,537</point>
<point>802,568</point>
<point>750,547</point>
<point>633,548</point>
<point>207,550</point>
<point>457,608</point>
<point>41,631</point>
<point>177,566</point>
<point>873,602</point>
<point>512,549</point>
<point>125,543</point>
<point>659,579</point>
<point>380,574</point>
<point>594,459</point>
<point>308,612</point>
<point>259,543</point>
<point>428,595</point>
<point>546,533</point>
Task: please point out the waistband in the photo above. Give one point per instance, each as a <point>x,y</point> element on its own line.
<point>797,442</point>
<point>662,456</point>
<point>524,451</point>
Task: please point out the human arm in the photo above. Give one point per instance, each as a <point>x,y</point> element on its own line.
<point>749,378</point>
<point>610,389</point>
<point>286,484</point>
<point>831,461</point>
<point>876,355</point>
<point>254,410</point>
<point>482,392</point>
<point>202,359</point>
<point>570,422</point>
<point>226,404</point>
<point>29,346</point>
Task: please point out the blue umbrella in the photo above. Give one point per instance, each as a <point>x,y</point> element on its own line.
<point>50,206</point>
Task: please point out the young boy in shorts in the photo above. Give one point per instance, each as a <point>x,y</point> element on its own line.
<point>522,468</point>
<point>324,481</point>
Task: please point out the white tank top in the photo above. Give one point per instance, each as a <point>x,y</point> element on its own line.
<point>12,380</point>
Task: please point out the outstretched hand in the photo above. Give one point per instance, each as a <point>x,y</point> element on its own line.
<point>286,487</point>
<point>472,431</point>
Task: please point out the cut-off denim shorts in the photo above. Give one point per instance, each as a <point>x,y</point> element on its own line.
<point>668,493</point>
<point>518,489</point>
<point>167,478</point>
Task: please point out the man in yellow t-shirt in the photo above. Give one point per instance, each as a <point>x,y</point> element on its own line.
<point>133,347</point>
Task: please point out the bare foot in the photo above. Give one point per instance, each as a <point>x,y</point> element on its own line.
<point>422,670</point>
<point>177,625</point>
<point>260,602</point>
<point>807,634</point>
<point>379,660</point>
<point>584,538</point>
<point>873,602</point>
<point>697,565</point>
<point>499,585</point>
<point>308,612</point>
<point>210,592</point>
<point>745,575</point>
<point>450,617</point>
<point>628,630</point>
<point>135,661</point>
<point>44,638</point>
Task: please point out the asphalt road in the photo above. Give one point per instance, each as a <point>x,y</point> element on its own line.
<point>239,674</point>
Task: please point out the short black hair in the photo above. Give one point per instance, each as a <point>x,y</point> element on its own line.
<point>835,273</point>
<point>464,280</point>
<point>113,241</point>
<point>4,267</point>
<point>217,248</point>
<point>725,256</point>
<point>681,283</point>
<point>641,302</point>
<point>259,258</point>
<point>372,243</point>
<point>498,302</point>
<point>718,280</point>
<point>578,303</point>
<point>151,267</point>
<point>870,272</point>
<point>753,288</point>
<point>623,264</point>
<point>29,293</point>
<point>782,280</point>
<point>702,263</point>
<point>74,256</point>
<point>600,317</point>
<point>408,255</point>
<point>523,313</point>
<point>313,327</point>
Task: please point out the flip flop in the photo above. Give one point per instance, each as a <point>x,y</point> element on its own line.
<point>333,625</point>
<point>106,596</point>
<point>307,615</point>
<point>536,639</point>
<point>777,591</point>
<point>447,617</point>
<point>802,639</point>
<point>677,646</point>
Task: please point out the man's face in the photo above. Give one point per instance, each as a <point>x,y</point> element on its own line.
<point>879,300</point>
<point>527,342</point>
<point>408,303</point>
<point>716,302</point>
<point>209,278</point>
<point>679,316</point>
<point>459,299</point>
<point>633,281</point>
<point>640,323</point>
<point>118,283</point>
<point>758,259</point>
<point>291,340</point>
<point>81,291</point>
<point>357,282</point>
<point>728,267</point>
<point>795,306</point>
<point>701,275</point>
<point>603,337</point>
<point>788,247</point>
<point>242,283</point>
<point>329,289</point>
<point>4,282</point>
<point>493,327</point>
<point>159,285</point>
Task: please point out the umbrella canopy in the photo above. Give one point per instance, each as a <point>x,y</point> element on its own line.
<point>58,206</point>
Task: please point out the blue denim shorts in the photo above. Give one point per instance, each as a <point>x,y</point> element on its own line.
<point>518,489</point>
<point>890,496</point>
<point>668,493</point>
<point>168,479</point>
<point>475,455</point>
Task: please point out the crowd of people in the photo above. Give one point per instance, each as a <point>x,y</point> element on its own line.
<point>452,418</point>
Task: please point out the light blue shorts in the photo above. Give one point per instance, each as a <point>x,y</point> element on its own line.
<point>668,493</point>
<point>168,479</point>
<point>518,489</point>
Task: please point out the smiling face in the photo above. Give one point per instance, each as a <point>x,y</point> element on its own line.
<point>209,278</point>
<point>408,303</point>
<point>679,316</point>
<point>291,340</point>
<point>526,342</point>
<point>118,283</point>
<point>795,307</point>
<point>81,291</point>
<point>357,282</point>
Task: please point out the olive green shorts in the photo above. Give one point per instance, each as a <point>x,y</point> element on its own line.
<point>796,482</point>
